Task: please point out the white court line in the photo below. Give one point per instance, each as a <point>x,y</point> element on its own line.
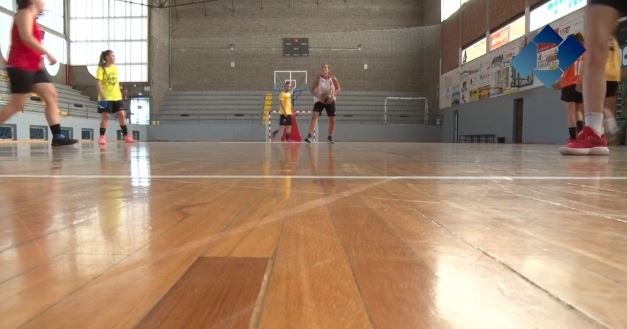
<point>303,177</point>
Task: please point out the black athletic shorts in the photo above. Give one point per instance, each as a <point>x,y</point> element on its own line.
<point>330,108</point>
<point>110,106</point>
<point>620,5</point>
<point>22,81</point>
<point>571,95</point>
<point>611,87</point>
<point>285,120</point>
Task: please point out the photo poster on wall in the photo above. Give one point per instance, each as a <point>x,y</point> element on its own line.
<point>449,89</point>
<point>469,81</point>
<point>492,75</point>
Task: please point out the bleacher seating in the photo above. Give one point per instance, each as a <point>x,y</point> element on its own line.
<point>71,101</point>
<point>227,106</point>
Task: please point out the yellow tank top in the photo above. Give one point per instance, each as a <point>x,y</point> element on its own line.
<point>612,67</point>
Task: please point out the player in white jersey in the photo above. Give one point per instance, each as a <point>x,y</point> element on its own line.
<point>325,89</point>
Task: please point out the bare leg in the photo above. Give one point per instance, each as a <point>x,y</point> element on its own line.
<point>580,112</point>
<point>16,104</point>
<point>49,95</point>
<point>122,118</point>
<point>600,23</point>
<point>571,109</point>
<point>104,121</point>
<point>331,126</point>
<point>314,122</point>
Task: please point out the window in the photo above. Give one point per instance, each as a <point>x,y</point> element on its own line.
<point>552,11</point>
<point>98,25</point>
<point>57,46</point>
<point>7,132</point>
<point>6,22</point>
<point>68,132</point>
<point>448,8</point>
<point>53,16</point>
<point>39,132</point>
<point>474,51</point>
<point>140,111</point>
<point>507,33</point>
<point>87,134</point>
<point>7,4</point>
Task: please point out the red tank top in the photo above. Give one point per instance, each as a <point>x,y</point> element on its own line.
<point>21,56</point>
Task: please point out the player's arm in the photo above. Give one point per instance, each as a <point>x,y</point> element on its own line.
<point>336,83</point>
<point>99,85</point>
<point>314,87</point>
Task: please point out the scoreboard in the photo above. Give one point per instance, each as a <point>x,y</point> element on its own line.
<point>295,47</point>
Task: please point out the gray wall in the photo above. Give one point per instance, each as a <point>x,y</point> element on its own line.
<point>544,118</point>
<point>255,132</point>
<point>159,57</point>
<point>401,52</point>
<point>23,121</point>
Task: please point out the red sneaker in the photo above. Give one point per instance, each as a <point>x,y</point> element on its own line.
<point>587,143</point>
<point>129,139</point>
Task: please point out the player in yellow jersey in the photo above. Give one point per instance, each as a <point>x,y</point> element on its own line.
<point>613,78</point>
<point>285,122</point>
<point>110,96</point>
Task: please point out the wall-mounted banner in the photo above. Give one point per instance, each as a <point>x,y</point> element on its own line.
<point>469,82</point>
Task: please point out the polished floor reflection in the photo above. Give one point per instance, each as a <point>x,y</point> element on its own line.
<point>351,235</point>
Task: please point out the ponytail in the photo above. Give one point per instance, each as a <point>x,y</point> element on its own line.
<point>103,59</point>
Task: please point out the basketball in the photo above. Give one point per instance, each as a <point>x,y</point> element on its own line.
<point>326,98</point>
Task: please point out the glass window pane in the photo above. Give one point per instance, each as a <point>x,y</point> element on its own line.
<point>52,16</point>
<point>122,74</point>
<point>78,52</point>
<point>56,46</point>
<point>92,70</point>
<point>135,73</point>
<point>552,11</point>
<point>144,73</point>
<point>7,4</point>
<point>145,28</point>
<point>119,8</point>
<point>136,56</point>
<point>120,51</point>
<point>448,8</point>
<point>99,29</point>
<point>507,33</point>
<point>6,22</point>
<point>101,8</point>
<point>135,28</point>
<point>116,30</point>
<point>96,49</point>
<point>474,51</point>
<point>144,52</point>
<point>137,10</point>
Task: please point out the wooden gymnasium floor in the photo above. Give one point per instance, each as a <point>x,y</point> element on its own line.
<point>354,235</point>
